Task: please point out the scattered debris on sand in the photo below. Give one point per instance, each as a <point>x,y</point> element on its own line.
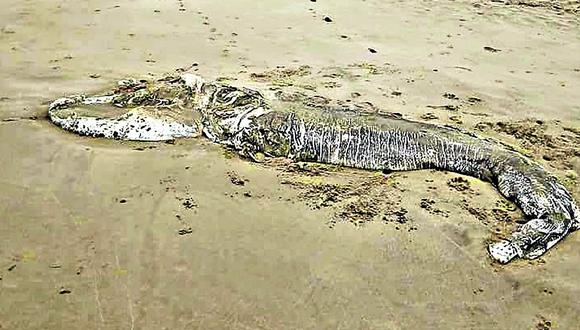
<point>236,179</point>
<point>558,6</point>
<point>551,141</point>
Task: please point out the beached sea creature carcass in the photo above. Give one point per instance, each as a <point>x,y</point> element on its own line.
<point>242,119</point>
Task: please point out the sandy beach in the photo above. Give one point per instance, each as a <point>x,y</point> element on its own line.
<point>101,234</point>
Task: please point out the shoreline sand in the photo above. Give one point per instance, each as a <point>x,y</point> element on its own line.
<point>110,234</point>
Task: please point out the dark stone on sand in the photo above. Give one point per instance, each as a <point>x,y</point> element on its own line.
<point>185,231</point>
<point>64,291</point>
<point>450,96</point>
<point>491,49</point>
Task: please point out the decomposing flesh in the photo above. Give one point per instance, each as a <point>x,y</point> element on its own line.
<point>241,119</point>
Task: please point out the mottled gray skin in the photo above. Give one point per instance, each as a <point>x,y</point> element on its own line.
<point>242,120</point>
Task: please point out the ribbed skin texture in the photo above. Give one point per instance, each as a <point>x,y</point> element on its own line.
<point>240,118</point>
<point>384,143</point>
<point>401,145</point>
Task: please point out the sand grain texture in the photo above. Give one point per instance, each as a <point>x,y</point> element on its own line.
<point>106,235</point>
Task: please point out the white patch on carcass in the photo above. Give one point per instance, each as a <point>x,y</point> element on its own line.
<point>134,125</point>
<point>243,119</point>
<point>503,251</point>
<point>192,81</point>
<point>130,126</point>
<point>99,99</point>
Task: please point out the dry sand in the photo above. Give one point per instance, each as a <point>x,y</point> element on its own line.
<point>116,235</point>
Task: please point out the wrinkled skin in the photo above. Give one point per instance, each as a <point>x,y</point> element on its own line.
<point>241,119</point>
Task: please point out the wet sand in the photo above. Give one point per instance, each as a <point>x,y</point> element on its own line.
<point>107,234</point>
